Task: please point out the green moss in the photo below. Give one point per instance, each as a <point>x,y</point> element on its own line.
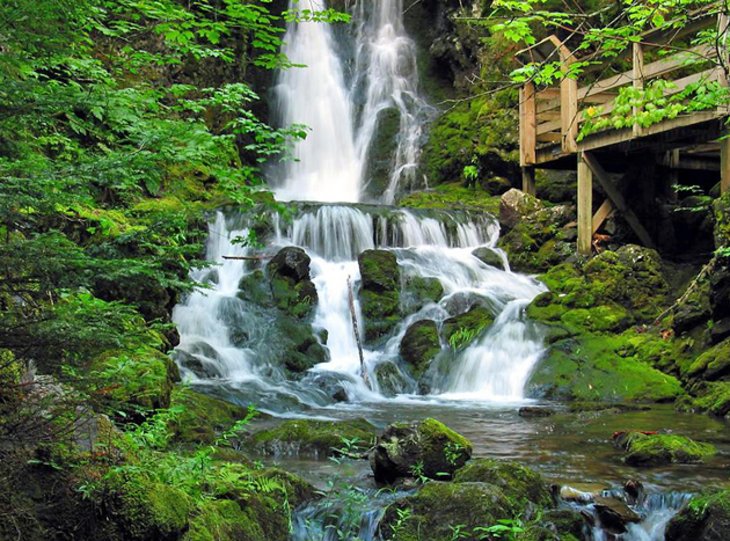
<point>452,196</point>
<point>379,292</point>
<point>319,438</point>
<point>722,221</point>
<point>706,517</point>
<point>202,418</point>
<point>518,483</point>
<point>419,291</point>
<point>657,449</point>
<point>223,520</point>
<point>420,345</point>
<point>470,325</point>
<point>712,365</point>
<point>709,397</point>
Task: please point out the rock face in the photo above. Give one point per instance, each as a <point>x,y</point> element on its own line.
<point>657,449</point>
<point>428,448</point>
<point>379,292</point>
<point>291,287</point>
<point>706,518</point>
<point>420,345</point>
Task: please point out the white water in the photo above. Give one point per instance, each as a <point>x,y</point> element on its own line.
<point>343,116</point>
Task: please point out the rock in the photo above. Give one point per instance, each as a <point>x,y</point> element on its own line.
<point>255,288</point>
<point>427,448</point>
<point>721,208</point>
<point>489,257</point>
<point>390,380</point>
<point>420,345</point>
<point>437,509</point>
<point>657,449</point>
<point>694,310</point>
<point>705,518</point>
<point>379,292</point>
<point>495,185</point>
<point>514,205</point>
<point>460,331</point>
<point>291,288</point>
<point>709,397</point>
<point>556,186</point>
<point>419,291</point>
<point>614,514</point>
<point>333,384</point>
<point>199,363</point>
<point>535,411</point>
<point>720,291</point>
<point>202,418</point>
<point>720,330</point>
<point>713,364</point>
<point>316,438</point>
<point>517,482</point>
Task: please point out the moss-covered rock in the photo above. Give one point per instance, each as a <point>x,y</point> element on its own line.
<point>459,331</point>
<point>519,483</point>
<point>426,448</point>
<point>418,291</point>
<point>708,397</point>
<point>713,364</point>
<point>390,379</point>
<point>515,206</point>
<point>255,288</point>
<point>657,449</point>
<point>705,518</point>
<point>721,208</point>
<point>291,287</point>
<point>145,510</point>
<point>452,196</point>
<point>379,292</point>
<point>222,520</point>
<point>420,345</point>
<point>317,438</point>
<point>488,256</point>
<point>438,508</point>
<point>203,418</point>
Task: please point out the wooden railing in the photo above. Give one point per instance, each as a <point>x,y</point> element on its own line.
<point>553,119</point>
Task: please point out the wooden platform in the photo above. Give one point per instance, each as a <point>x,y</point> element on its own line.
<point>560,127</point>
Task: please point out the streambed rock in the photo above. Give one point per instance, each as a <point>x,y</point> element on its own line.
<point>427,448</point>
<point>705,518</point>
<point>459,331</point>
<point>489,257</point>
<point>379,292</point>
<point>291,287</point>
<point>645,449</point>
<point>420,345</point>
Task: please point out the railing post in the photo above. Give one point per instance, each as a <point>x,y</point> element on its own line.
<point>638,80</point>
<point>725,164</point>
<point>528,124</point>
<point>568,103</point>
<point>585,206</point>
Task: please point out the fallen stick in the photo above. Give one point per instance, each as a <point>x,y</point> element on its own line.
<point>353,316</point>
<point>248,257</point>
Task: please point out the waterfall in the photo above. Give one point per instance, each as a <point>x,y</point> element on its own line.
<point>331,163</point>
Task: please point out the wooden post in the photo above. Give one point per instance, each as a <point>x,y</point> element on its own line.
<point>528,124</point>
<point>638,79</point>
<point>585,206</point>
<point>725,164</point>
<point>568,103</point>
<point>528,179</point>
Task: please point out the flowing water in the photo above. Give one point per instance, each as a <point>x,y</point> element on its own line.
<point>232,346</point>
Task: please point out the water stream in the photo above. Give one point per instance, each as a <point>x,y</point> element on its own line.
<point>232,346</point>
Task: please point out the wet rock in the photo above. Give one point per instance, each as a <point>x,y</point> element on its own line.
<point>694,308</point>
<point>720,291</point>
<point>391,381</point>
<point>517,482</point>
<point>646,449</point>
<point>203,367</point>
<point>291,287</point>
<point>535,411</point>
<point>614,514</point>
<point>705,518</point>
<point>203,418</point>
<point>489,257</point>
<point>711,397</point>
<point>255,288</point>
<point>331,383</point>
<point>379,292</point>
<point>419,291</point>
<point>427,448</point>
<point>721,208</point>
<point>495,185</point>
<point>420,345</point>
<point>460,331</point>
<point>514,205</point>
<point>314,438</point>
<point>713,364</point>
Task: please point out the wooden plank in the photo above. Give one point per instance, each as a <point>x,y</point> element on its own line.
<point>637,67</point>
<point>550,137</point>
<point>585,206</point>
<point>546,127</point>
<point>569,114</point>
<point>725,165</point>
<point>528,124</point>
<point>548,116</point>
<point>617,198</point>
<point>528,180</point>
<point>602,214</point>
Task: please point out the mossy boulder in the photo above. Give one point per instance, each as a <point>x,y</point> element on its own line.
<point>713,364</point>
<point>489,256</point>
<point>705,518</point>
<point>143,509</point>
<point>657,449</point>
<point>693,308</point>
<point>203,418</point>
<point>418,291</point>
<point>721,208</point>
<point>426,448</point>
<point>604,368</point>
<point>437,509</point>
<point>459,331</point>
<point>379,292</point>
<point>419,346</point>
<point>291,287</point>
<point>299,345</point>
<point>519,483</point>
<point>708,397</point>
<point>452,196</point>
<point>255,288</point>
<point>390,379</point>
<point>315,438</point>
<point>515,205</point>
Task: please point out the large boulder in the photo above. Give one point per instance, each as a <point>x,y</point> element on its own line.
<point>459,331</point>
<point>517,482</point>
<point>420,345</point>
<point>423,449</point>
<point>657,449</point>
<point>379,292</point>
<point>418,291</point>
<point>713,364</point>
<point>705,518</point>
<point>291,287</point>
<point>515,205</point>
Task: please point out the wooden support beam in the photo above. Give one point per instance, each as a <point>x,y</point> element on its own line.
<point>725,165</point>
<point>528,180</point>
<point>585,206</point>
<point>568,104</point>
<point>638,75</point>
<point>615,195</point>
<point>602,214</point>
<point>528,124</point>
